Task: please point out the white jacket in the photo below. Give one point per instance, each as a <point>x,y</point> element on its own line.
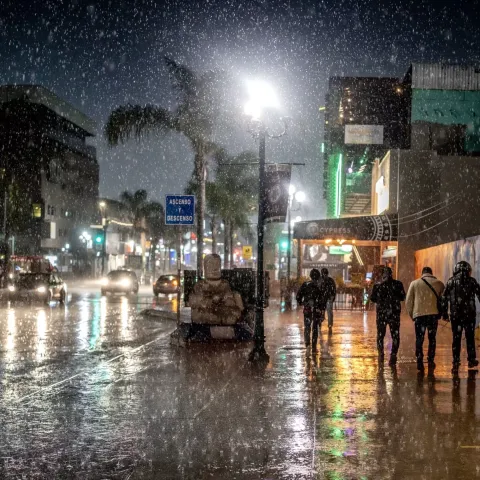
<point>420,299</point>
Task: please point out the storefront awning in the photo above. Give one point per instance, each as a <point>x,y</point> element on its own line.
<point>370,228</point>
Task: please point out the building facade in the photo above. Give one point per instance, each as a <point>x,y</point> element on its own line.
<point>50,174</point>
<point>364,118</point>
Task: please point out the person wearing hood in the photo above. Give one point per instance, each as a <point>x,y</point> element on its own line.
<point>312,296</point>
<point>388,295</point>
<point>459,300</point>
<point>422,304</point>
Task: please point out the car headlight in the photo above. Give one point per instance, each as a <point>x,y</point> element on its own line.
<point>125,282</point>
<point>41,289</point>
<point>104,281</point>
<point>11,288</point>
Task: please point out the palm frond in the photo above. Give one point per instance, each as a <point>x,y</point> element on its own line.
<point>134,121</point>
<point>184,80</point>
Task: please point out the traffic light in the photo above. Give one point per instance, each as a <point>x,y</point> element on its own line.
<point>99,240</point>
<point>284,245</point>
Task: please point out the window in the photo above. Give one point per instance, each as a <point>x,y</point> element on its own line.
<point>36,210</point>
<point>49,210</point>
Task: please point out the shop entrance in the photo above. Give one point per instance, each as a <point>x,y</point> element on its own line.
<point>354,250</point>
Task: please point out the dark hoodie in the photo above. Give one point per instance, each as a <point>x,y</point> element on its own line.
<point>460,293</point>
<point>387,295</point>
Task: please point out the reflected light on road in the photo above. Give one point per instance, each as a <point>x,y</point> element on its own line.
<point>41,333</point>
<point>103,315</point>
<point>124,315</point>
<point>83,324</point>
<point>11,334</point>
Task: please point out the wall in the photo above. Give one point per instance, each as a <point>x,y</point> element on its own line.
<point>438,202</point>
<point>443,258</point>
<point>449,107</point>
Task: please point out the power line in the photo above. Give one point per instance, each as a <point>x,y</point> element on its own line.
<point>426,215</point>
<point>429,208</point>
<point>429,228</point>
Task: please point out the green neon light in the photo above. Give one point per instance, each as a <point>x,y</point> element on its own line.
<point>338,197</point>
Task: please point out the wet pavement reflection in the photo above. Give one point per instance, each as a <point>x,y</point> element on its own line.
<point>94,390</point>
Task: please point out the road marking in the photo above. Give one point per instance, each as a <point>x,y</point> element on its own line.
<point>84,372</point>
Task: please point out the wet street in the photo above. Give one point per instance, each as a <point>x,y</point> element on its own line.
<point>94,390</point>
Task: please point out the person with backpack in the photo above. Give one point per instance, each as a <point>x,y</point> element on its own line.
<point>331,293</point>
<point>423,304</point>
<point>388,294</point>
<point>459,295</point>
<point>312,296</point>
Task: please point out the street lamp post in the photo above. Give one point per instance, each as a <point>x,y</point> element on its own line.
<point>259,353</point>
<point>103,207</point>
<point>261,96</point>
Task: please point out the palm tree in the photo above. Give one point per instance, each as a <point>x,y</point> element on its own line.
<point>193,117</point>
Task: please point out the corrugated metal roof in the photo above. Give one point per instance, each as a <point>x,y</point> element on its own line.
<point>437,76</point>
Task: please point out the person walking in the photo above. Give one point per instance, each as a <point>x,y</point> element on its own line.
<point>459,299</point>
<point>388,295</point>
<point>331,293</point>
<point>312,296</point>
<point>423,304</point>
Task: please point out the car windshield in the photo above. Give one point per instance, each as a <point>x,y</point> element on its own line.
<point>167,278</point>
<point>118,274</point>
<point>29,279</point>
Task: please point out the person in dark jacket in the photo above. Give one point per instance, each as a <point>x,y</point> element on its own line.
<point>388,294</point>
<point>312,296</point>
<point>459,295</point>
<point>331,293</point>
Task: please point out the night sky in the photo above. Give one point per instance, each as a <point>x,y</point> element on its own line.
<point>99,54</point>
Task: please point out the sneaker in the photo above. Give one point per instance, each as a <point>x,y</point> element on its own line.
<point>420,366</point>
<point>473,363</point>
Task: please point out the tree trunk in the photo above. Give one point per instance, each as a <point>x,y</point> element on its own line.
<point>231,231</point>
<point>213,225</point>
<point>226,252</point>
<point>200,172</point>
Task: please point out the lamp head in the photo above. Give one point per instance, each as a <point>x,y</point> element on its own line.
<point>261,96</point>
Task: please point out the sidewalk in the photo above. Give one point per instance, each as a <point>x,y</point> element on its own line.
<point>332,415</point>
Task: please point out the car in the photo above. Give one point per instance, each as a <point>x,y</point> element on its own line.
<point>166,284</point>
<point>38,286</point>
<point>120,281</point>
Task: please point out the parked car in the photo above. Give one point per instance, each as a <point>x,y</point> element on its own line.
<point>38,286</point>
<point>120,281</point>
<point>167,285</point>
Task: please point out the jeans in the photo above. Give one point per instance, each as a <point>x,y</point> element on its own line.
<point>394,332</point>
<point>457,327</point>
<point>330,312</point>
<point>430,323</point>
<point>312,320</point>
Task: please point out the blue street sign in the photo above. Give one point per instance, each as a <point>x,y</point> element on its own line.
<point>179,209</point>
